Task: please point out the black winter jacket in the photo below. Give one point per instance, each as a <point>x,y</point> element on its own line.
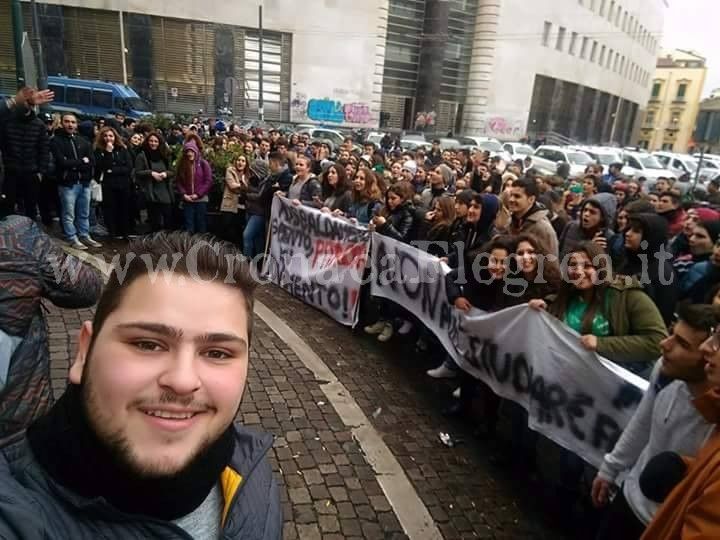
<point>399,223</point>
<point>69,151</point>
<point>24,143</point>
<point>33,506</point>
<point>113,167</point>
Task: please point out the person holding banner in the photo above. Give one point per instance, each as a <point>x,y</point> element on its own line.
<point>305,188</point>
<point>666,420</point>
<point>614,317</point>
<point>336,193</point>
<point>365,198</point>
<point>395,221</point>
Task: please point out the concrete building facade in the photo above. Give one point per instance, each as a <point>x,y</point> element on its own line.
<point>503,68</point>
<point>674,103</point>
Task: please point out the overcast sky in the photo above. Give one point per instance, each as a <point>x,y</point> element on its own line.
<point>694,24</point>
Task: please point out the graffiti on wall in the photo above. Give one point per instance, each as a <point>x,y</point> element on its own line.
<point>298,107</point>
<point>329,110</point>
<point>502,127</point>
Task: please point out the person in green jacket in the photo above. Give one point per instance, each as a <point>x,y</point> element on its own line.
<point>613,315</point>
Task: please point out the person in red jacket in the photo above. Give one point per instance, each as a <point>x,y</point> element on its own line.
<point>194,180</point>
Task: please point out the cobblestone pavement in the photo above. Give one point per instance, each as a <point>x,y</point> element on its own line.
<point>329,491</point>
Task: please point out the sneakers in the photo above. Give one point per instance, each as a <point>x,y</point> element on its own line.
<point>456,393</point>
<point>442,372</point>
<point>375,328</point>
<point>77,244</point>
<point>90,242</point>
<point>386,334</point>
<point>405,328</point>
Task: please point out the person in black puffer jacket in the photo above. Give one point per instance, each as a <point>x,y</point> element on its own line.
<point>396,219</point>
<point>644,238</point>
<point>25,151</point>
<point>113,169</point>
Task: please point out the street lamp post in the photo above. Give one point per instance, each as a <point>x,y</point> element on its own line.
<point>17,21</point>
<point>261,111</point>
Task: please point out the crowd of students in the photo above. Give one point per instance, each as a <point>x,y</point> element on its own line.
<point>634,268</point>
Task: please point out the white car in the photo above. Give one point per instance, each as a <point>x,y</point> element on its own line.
<point>605,156</point>
<point>639,164</point>
<point>517,150</point>
<point>549,157</point>
<point>332,135</point>
<point>681,164</point>
<point>493,146</point>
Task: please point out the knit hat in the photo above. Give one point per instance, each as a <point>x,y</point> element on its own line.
<point>410,166</point>
<point>260,168</point>
<point>707,214</point>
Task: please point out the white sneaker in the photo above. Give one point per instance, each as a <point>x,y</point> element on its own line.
<point>90,242</point>
<point>375,328</point>
<point>386,334</point>
<point>442,372</point>
<point>456,393</point>
<point>406,328</point>
<point>77,244</point>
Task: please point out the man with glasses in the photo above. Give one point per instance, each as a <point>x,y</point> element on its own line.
<point>666,420</point>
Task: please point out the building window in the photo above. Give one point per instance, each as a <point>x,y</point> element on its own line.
<point>583,47</point>
<point>650,118</point>
<point>593,51</point>
<point>625,20</point>
<point>682,88</point>
<point>618,13</point>
<point>601,61</point>
<point>546,33</point>
<point>656,89</point>
<point>602,8</point>
<point>573,43</point>
<point>616,62</point>
<point>611,10</point>
<point>609,59</point>
<point>560,43</point>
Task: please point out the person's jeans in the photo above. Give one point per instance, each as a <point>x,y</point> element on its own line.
<point>75,218</point>
<point>254,236</point>
<point>195,215</point>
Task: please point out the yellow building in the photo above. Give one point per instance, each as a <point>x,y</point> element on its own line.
<point>674,102</point>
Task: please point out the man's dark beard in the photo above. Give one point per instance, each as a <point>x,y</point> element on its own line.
<point>118,446</point>
<point>70,450</point>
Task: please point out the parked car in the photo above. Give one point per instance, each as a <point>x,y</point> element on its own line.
<point>685,164</point>
<point>517,150</point>
<point>493,146</point>
<point>548,157</point>
<point>642,164</point>
<point>335,137</point>
<point>605,156</point>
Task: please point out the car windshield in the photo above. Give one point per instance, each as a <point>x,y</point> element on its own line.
<point>468,142</point>
<point>522,149</point>
<point>136,104</point>
<point>690,164</point>
<point>578,158</point>
<point>416,138</point>
<point>607,159</point>
<point>650,162</point>
<point>491,145</point>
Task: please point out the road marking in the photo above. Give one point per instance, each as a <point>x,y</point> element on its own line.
<point>412,513</point>
<point>409,508</point>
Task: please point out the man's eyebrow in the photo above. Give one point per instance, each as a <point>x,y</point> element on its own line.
<point>221,337</point>
<point>155,328</point>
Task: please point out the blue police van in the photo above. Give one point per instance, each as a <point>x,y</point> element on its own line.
<point>88,98</point>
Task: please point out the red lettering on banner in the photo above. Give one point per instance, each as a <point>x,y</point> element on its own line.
<point>328,253</point>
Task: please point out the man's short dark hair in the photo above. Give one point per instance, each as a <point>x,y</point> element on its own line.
<point>436,141</point>
<point>701,317</point>
<point>675,197</point>
<point>528,185</point>
<point>201,257</point>
<point>275,156</point>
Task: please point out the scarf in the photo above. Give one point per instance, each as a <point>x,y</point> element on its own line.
<point>67,447</point>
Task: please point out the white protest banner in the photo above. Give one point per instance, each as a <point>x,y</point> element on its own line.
<point>414,280</point>
<point>317,258</point>
<point>574,397</point>
<point>571,395</point>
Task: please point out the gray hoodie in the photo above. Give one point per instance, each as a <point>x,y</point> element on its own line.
<point>665,421</point>
<point>573,234</point>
